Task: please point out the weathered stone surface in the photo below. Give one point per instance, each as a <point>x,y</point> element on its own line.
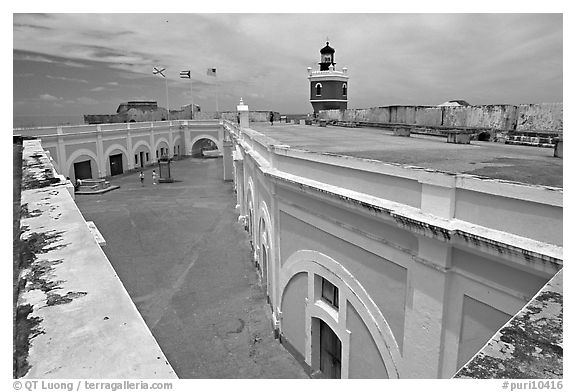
<point>545,117</point>
<point>542,118</point>
<point>530,345</point>
<point>66,288</point>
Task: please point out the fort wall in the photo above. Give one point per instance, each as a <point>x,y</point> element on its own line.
<point>428,265</point>
<point>535,118</point>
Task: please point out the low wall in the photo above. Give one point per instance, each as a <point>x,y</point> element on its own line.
<point>74,316</point>
<point>255,116</point>
<point>541,118</point>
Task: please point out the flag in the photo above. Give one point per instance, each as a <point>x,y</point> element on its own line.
<point>211,72</point>
<point>157,71</point>
<point>185,74</point>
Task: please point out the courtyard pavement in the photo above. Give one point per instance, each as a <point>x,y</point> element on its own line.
<point>185,261</point>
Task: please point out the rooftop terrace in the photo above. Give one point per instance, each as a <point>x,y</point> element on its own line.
<point>530,165</point>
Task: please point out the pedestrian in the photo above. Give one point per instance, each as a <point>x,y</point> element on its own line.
<point>271,118</point>
<point>141,178</point>
<point>154,177</point>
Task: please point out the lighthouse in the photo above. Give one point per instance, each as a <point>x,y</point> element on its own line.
<point>328,87</point>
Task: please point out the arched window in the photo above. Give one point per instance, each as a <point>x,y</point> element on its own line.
<point>318,89</point>
<point>344,89</point>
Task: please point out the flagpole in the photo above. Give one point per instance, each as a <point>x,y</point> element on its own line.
<point>217,85</point>
<point>191,96</point>
<point>167,102</point>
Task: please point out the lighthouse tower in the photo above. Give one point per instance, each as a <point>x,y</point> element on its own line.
<point>328,87</point>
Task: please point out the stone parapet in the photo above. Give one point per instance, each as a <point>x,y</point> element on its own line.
<point>74,319</point>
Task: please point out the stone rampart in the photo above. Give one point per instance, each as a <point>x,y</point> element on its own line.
<point>539,118</point>
<point>543,118</point>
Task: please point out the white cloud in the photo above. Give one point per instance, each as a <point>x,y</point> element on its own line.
<point>413,58</point>
<point>49,98</point>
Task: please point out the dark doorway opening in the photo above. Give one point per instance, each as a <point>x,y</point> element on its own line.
<point>116,164</point>
<point>201,146</point>
<point>141,158</point>
<point>484,137</point>
<point>330,352</point>
<point>82,170</point>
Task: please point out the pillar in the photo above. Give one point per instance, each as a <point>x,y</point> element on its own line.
<point>170,141</point>
<point>131,161</point>
<point>244,114</point>
<point>102,169</point>
<point>152,144</point>
<point>423,327</point>
<point>228,162</point>
<point>61,153</point>
<point>559,148</point>
<point>239,178</point>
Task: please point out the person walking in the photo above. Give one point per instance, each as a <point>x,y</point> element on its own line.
<point>141,178</point>
<point>271,118</point>
<point>154,177</point>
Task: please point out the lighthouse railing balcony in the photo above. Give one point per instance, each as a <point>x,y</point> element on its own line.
<point>329,72</point>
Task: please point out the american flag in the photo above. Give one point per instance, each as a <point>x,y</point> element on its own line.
<point>185,74</point>
<point>211,72</point>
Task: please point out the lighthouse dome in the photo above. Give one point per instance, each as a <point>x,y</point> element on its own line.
<point>327,49</point>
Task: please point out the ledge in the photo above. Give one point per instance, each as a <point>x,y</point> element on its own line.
<point>74,317</point>
<point>530,345</point>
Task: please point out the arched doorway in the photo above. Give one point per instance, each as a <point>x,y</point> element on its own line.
<point>82,164</point>
<point>484,136</point>
<point>314,287</point>
<point>264,252</point>
<point>117,161</point>
<point>202,147</point>
<point>327,358</point>
<point>162,150</point>
<point>83,168</point>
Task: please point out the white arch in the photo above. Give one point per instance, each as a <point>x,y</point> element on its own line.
<point>78,153</point>
<point>251,205</point>
<point>174,144</point>
<point>265,240</point>
<point>140,143</point>
<point>160,140</point>
<point>113,147</point>
<point>316,89</point>
<point>313,262</point>
<point>204,136</point>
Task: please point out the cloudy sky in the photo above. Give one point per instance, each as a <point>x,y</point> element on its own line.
<point>70,64</point>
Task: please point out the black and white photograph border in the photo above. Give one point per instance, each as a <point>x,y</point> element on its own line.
<point>211,194</point>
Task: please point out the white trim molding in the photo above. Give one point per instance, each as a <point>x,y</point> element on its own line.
<point>316,263</point>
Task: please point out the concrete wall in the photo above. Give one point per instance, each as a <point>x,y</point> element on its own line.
<point>411,252</point>
<point>365,360</point>
<point>547,117</point>
<point>404,246</point>
<point>542,118</point>
<point>254,116</point>
<point>293,326</point>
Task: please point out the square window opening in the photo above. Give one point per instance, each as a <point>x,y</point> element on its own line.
<point>330,293</point>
